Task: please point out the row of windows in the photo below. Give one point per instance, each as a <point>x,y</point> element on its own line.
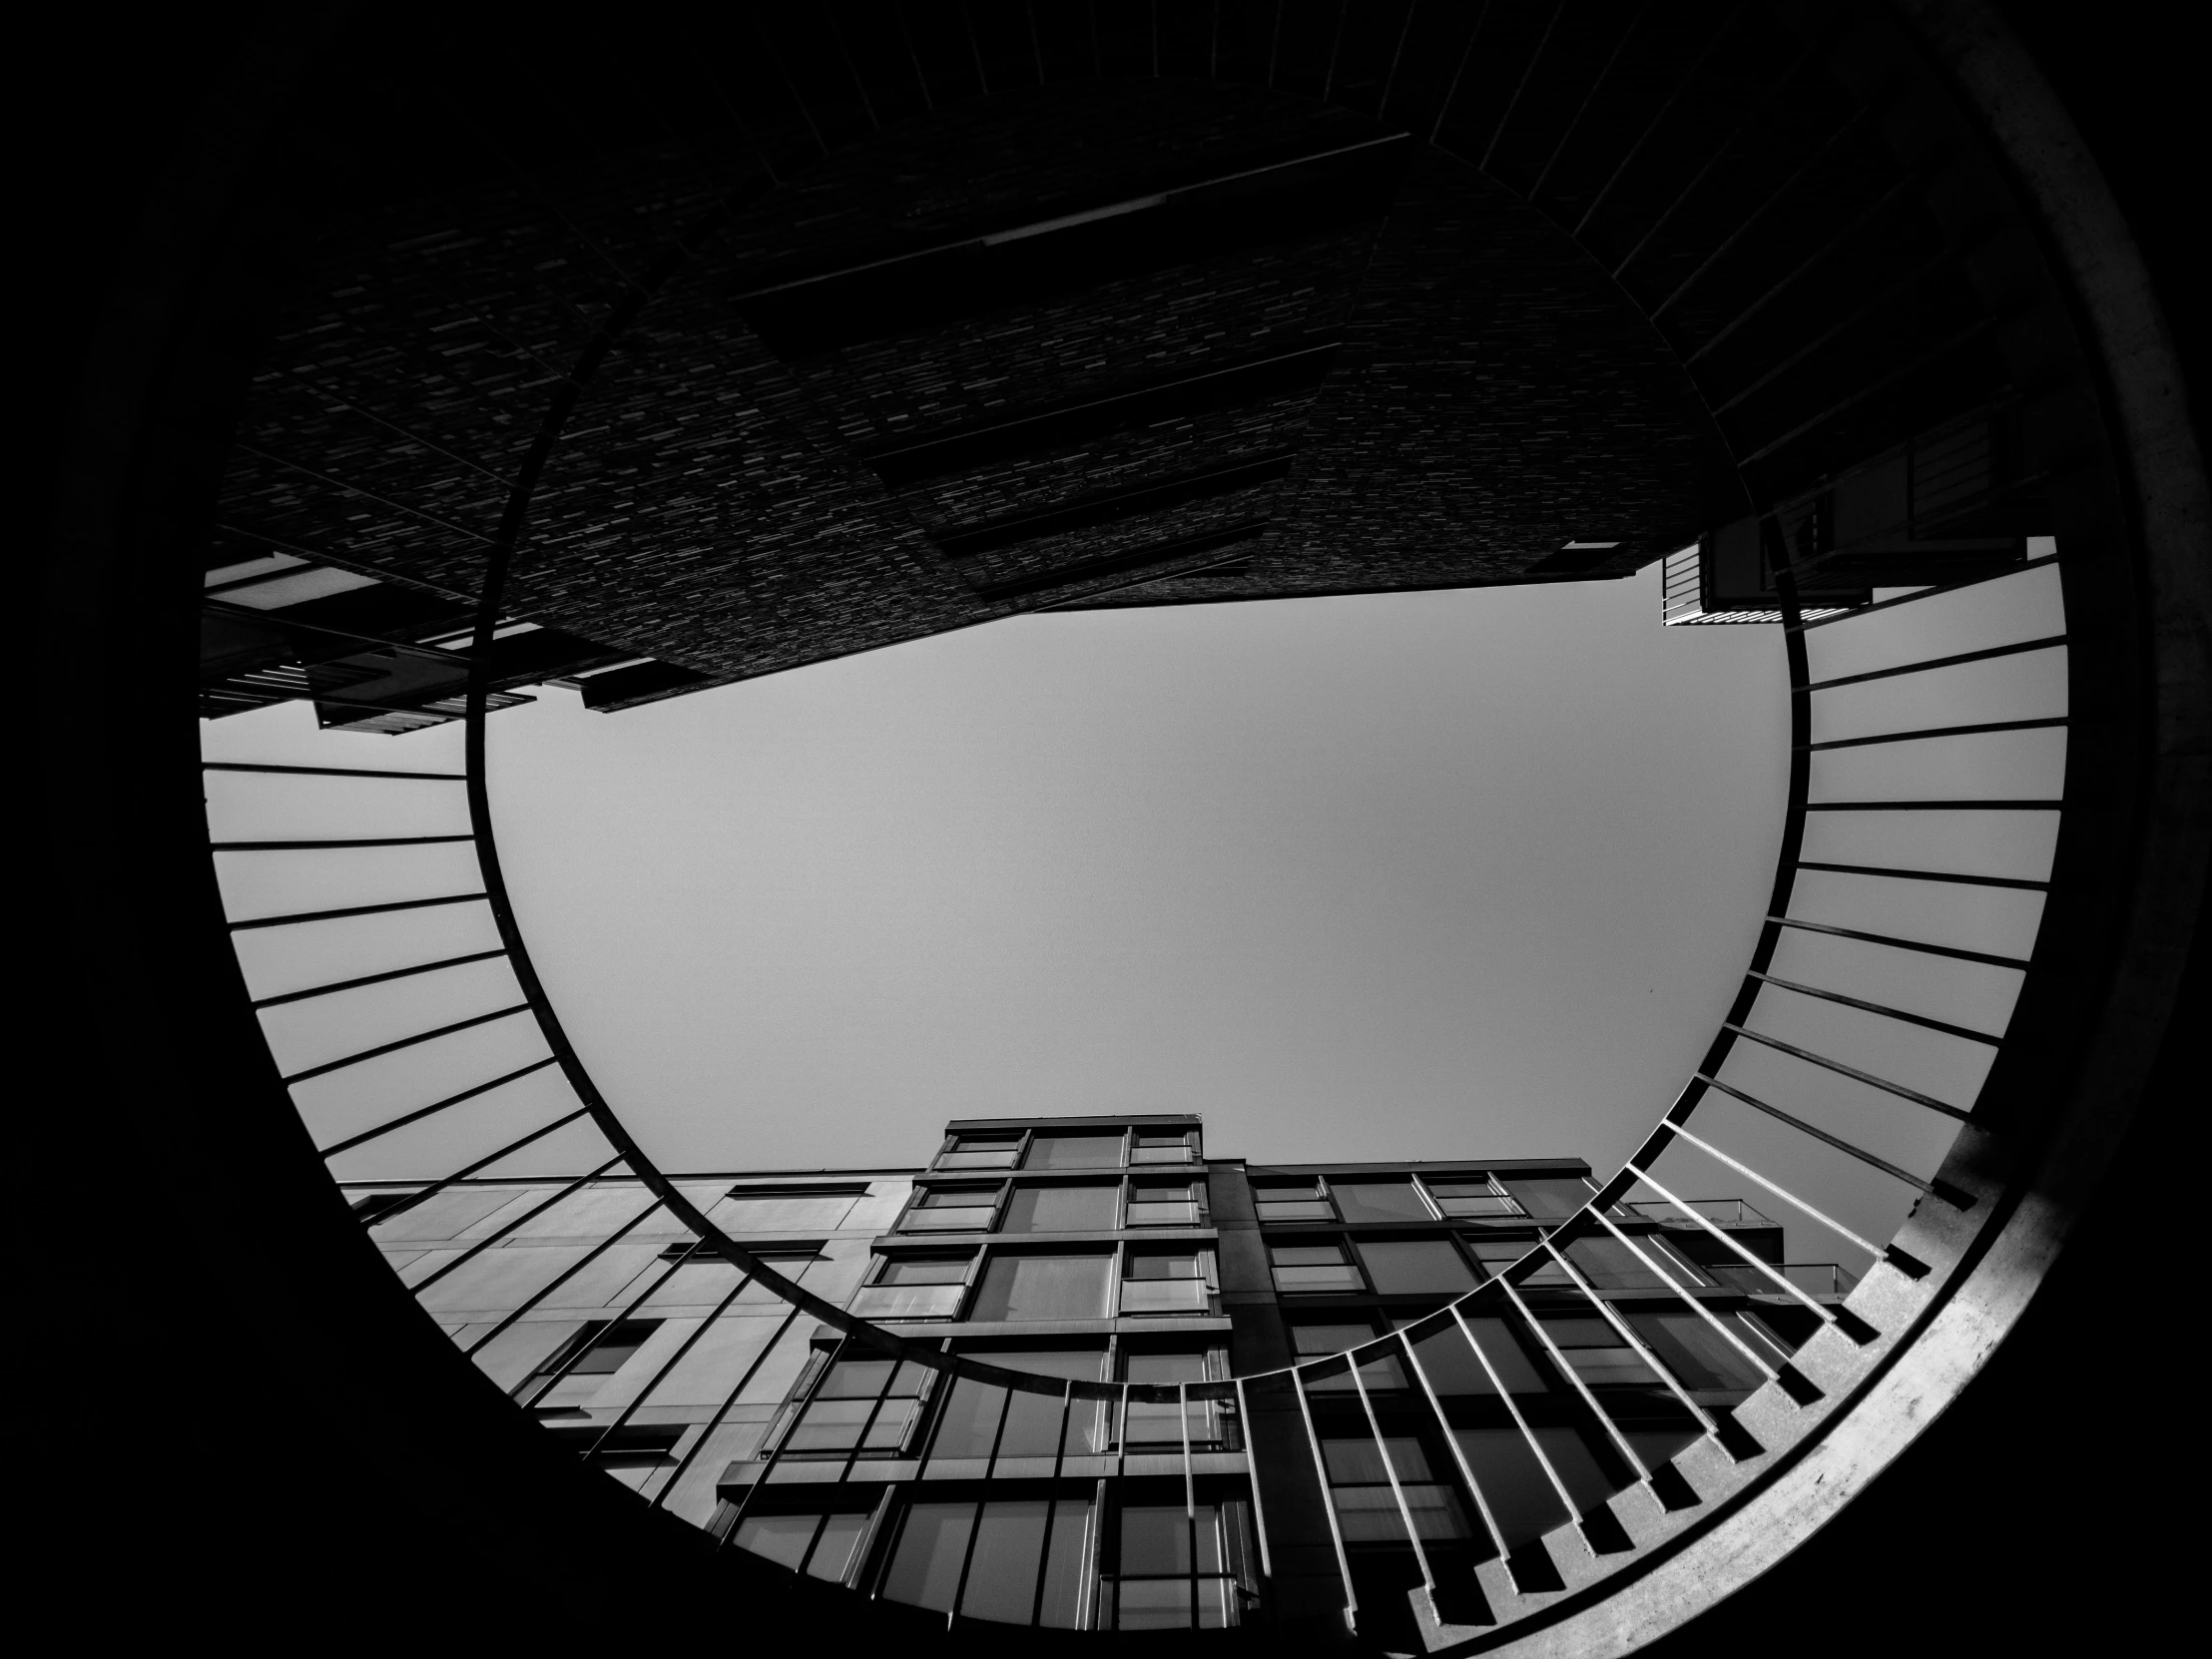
<point>1081,1149</point>
<point>867,1407</point>
<point>1449,1265</point>
<point>1062,1207</point>
<point>1126,1555</point>
<point>1040,1284</point>
<point>1462,1196</point>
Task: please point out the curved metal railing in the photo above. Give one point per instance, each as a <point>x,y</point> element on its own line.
<point>1804,1094</point>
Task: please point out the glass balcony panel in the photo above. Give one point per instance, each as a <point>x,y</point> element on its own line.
<point>982,1158</point>
<point>1478,1206</point>
<point>965,1220</point>
<point>1295,1209</point>
<point>1074,1152</point>
<point>1164,1296</point>
<point>1379,1200</point>
<point>1167,1213</point>
<point>1309,1278</point>
<point>909,1302</point>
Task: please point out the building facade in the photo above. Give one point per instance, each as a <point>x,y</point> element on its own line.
<point>1186,1441</point>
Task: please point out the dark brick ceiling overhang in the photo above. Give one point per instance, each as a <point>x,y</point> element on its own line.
<point>863,328</point>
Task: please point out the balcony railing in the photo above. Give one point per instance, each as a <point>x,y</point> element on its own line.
<point>1721,1212</point>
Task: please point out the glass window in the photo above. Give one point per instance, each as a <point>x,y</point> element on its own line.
<point>951,1210</point>
<point>1415,1266</point>
<point>1612,1266</point>
<point>1158,1203</point>
<point>1496,1254</point>
<point>1292,1201</point>
<point>1379,1200</point>
<point>933,1549</point>
<point>867,1406</point>
<point>1548,1198</point>
<point>1166,1281</point>
<point>1314,1267</point>
<point>1026,1566</point>
<point>1174,1567</point>
<point>981,1152</point>
<point>1160,1148</point>
<point>1474,1199</point>
<point>1520,1496</point>
<point>612,1345</point>
<point>1074,1152</point>
<point>979,1415</point>
<point>1598,1354</point>
<point>823,1545</point>
<point>1019,1286</point>
<point>1312,1342</point>
<point>915,1287</point>
<point>578,1368</point>
<point>1366,1508</point>
<point>1156,1424</point>
<point>1061,1209</point>
<point>1695,1352</point>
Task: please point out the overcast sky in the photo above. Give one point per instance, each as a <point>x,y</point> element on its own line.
<point>1432,876</point>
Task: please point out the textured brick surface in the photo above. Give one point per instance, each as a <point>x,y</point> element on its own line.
<point>708,501</point>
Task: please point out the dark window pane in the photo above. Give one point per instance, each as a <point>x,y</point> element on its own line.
<point>1379,1200</point>
<point>1507,1358</point>
<point>1450,1364</point>
<point>925,1571</point>
<point>1044,1288</point>
<point>969,1424</point>
<point>1033,1420</point>
<point>1521,1499</point>
<point>832,1557</point>
<point>1548,1198</point>
<point>1572,1460</point>
<point>1156,1539</point>
<point>611,1349</point>
<point>1153,1604</point>
<point>1695,1352</point>
<point>1002,1574</point>
<point>1074,1152</point>
<point>1410,1267</point>
<point>1061,1209</point>
<point>781,1539</point>
<point>1063,1566</point>
<point>1612,1266</point>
